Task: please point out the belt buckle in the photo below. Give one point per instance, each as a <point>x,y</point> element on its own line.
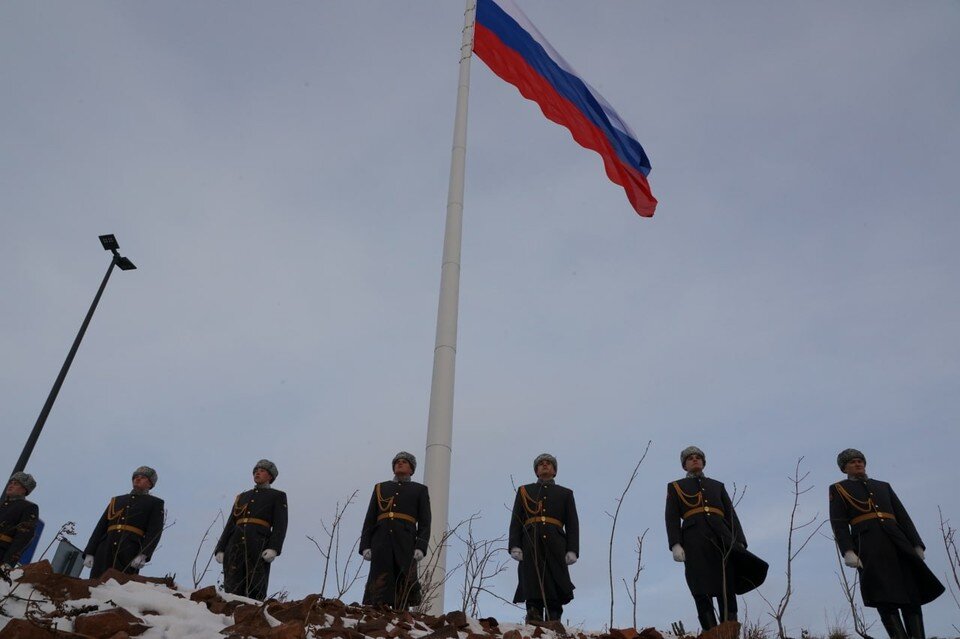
<point>391,514</point>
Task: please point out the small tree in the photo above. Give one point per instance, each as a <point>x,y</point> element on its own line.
<point>779,611</point>
<point>953,558</point>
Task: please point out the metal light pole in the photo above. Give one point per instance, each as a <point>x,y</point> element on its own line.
<point>110,244</point>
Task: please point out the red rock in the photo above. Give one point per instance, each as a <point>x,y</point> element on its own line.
<point>624,633</point>
<point>56,587</point>
<point>106,623</point>
<point>489,624</point>
<point>650,633</point>
<point>726,630</point>
<point>512,634</point>
<point>457,618</point>
<point>335,633</point>
<point>446,632</point>
<point>556,626</point>
<point>204,594</point>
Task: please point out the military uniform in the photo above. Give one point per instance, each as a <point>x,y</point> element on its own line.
<point>868,518</point>
<point>130,526</point>
<point>545,526</point>
<point>396,525</point>
<point>700,518</point>
<point>257,522</point>
<point>18,521</point>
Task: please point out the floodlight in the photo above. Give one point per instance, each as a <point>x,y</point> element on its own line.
<point>124,264</point>
<point>109,242</point>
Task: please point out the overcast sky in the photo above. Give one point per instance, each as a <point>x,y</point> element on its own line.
<point>278,173</point>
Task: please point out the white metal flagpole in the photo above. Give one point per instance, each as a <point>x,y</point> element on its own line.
<point>440,421</point>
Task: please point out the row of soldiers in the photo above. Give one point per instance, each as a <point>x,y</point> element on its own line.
<point>872,529</point>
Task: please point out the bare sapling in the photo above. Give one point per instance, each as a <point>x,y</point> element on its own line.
<point>849,589</point>
<point>199,574</point>
<point>330,549</point>
<point>779,611</point>
<point>948,533</point>
<point>632,589</point>
<point>431,583</point>
<point>613,525</point>
<point>480,564</point>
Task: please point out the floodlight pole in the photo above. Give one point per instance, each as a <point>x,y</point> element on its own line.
<point>52,397</point>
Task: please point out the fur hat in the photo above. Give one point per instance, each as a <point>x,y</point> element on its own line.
<point>545,457</point>
<point>268,466</point>
<point>848,455</point>
<point>691,450</point>
<point>407,456</point>
<point>147,472</point>
<point>26,480</point>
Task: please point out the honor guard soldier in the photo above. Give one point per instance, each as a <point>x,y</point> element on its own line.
<point>253,535</point>
<point>876,536</point>
<point>545,540</point>
<point>18,519</point>
<point>395,535</point>
<point>129,529</point>
<point>704,532</point>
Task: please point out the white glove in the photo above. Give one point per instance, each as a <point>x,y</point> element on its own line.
<point>850,558</point>
<point>138,562</point>
<point>219,557</point>
<point>6,568</point>
<point>570,558</point>
<point>417,555</point>
<point>516,553</point>
<point>678,554</point>
<point>88,561</point>
<point>268,555</point>
<point>920,554</point>
<point>367,554</point>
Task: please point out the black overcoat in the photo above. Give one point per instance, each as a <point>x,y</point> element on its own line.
<point>868,518</point>
<point>392,539</point>
<point>257,522</point>
<point>18,521</point>
<point>710,530</point>
<point>131,525</point>
<point>543,575</point>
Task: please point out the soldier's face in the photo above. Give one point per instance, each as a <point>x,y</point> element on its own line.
<point>15,488</point>
<point>140,482</point>
<point>693,463</point>
<point>545,470</point>
<point>855,467</point>
<point>261,476</point>
<point>402,468</point>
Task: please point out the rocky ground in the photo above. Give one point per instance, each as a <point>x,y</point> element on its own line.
<point>40,604</point>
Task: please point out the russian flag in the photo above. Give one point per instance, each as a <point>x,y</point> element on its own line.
<point>506,40</point>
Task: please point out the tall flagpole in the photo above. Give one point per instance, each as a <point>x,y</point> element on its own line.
<point>440,420</point>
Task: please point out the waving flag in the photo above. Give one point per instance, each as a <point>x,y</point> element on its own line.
<point>511,46</point>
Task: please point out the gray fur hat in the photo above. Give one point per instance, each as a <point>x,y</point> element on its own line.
<point>407,456</point>
<point>268,466</point>
<point>848,455</point>
<point>147,472</point>
<point>545,456</point>
<point>691,450</point>
<point>26,480</point>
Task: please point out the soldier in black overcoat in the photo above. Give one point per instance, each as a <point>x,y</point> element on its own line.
<point>253,535</point>
<point>129,529</point>
<point>18,519</point>
<point>704,532</point>
<point>545,540</point>
<point>395,535</point>
<point>876,536</point>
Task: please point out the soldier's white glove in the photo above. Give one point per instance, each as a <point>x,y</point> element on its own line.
<point>6,568</point>
<point>219,557</point>
<point>417,555</point>
<point>516,553</point>
<point>88,561</point>
<point>367,554</point>
<point>138,562</point>
<point>570,558</point>
<point>851,560</point>
<point>920,554</point>
<point>268,555</point>
<point>678,554</point>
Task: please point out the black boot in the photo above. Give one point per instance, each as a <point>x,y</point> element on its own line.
<point>705,613</point>
<point>913,620</point>
<point>534,611</point>
<point>890,618</point>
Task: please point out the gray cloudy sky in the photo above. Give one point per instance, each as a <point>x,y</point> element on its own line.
<point>278,173</point>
